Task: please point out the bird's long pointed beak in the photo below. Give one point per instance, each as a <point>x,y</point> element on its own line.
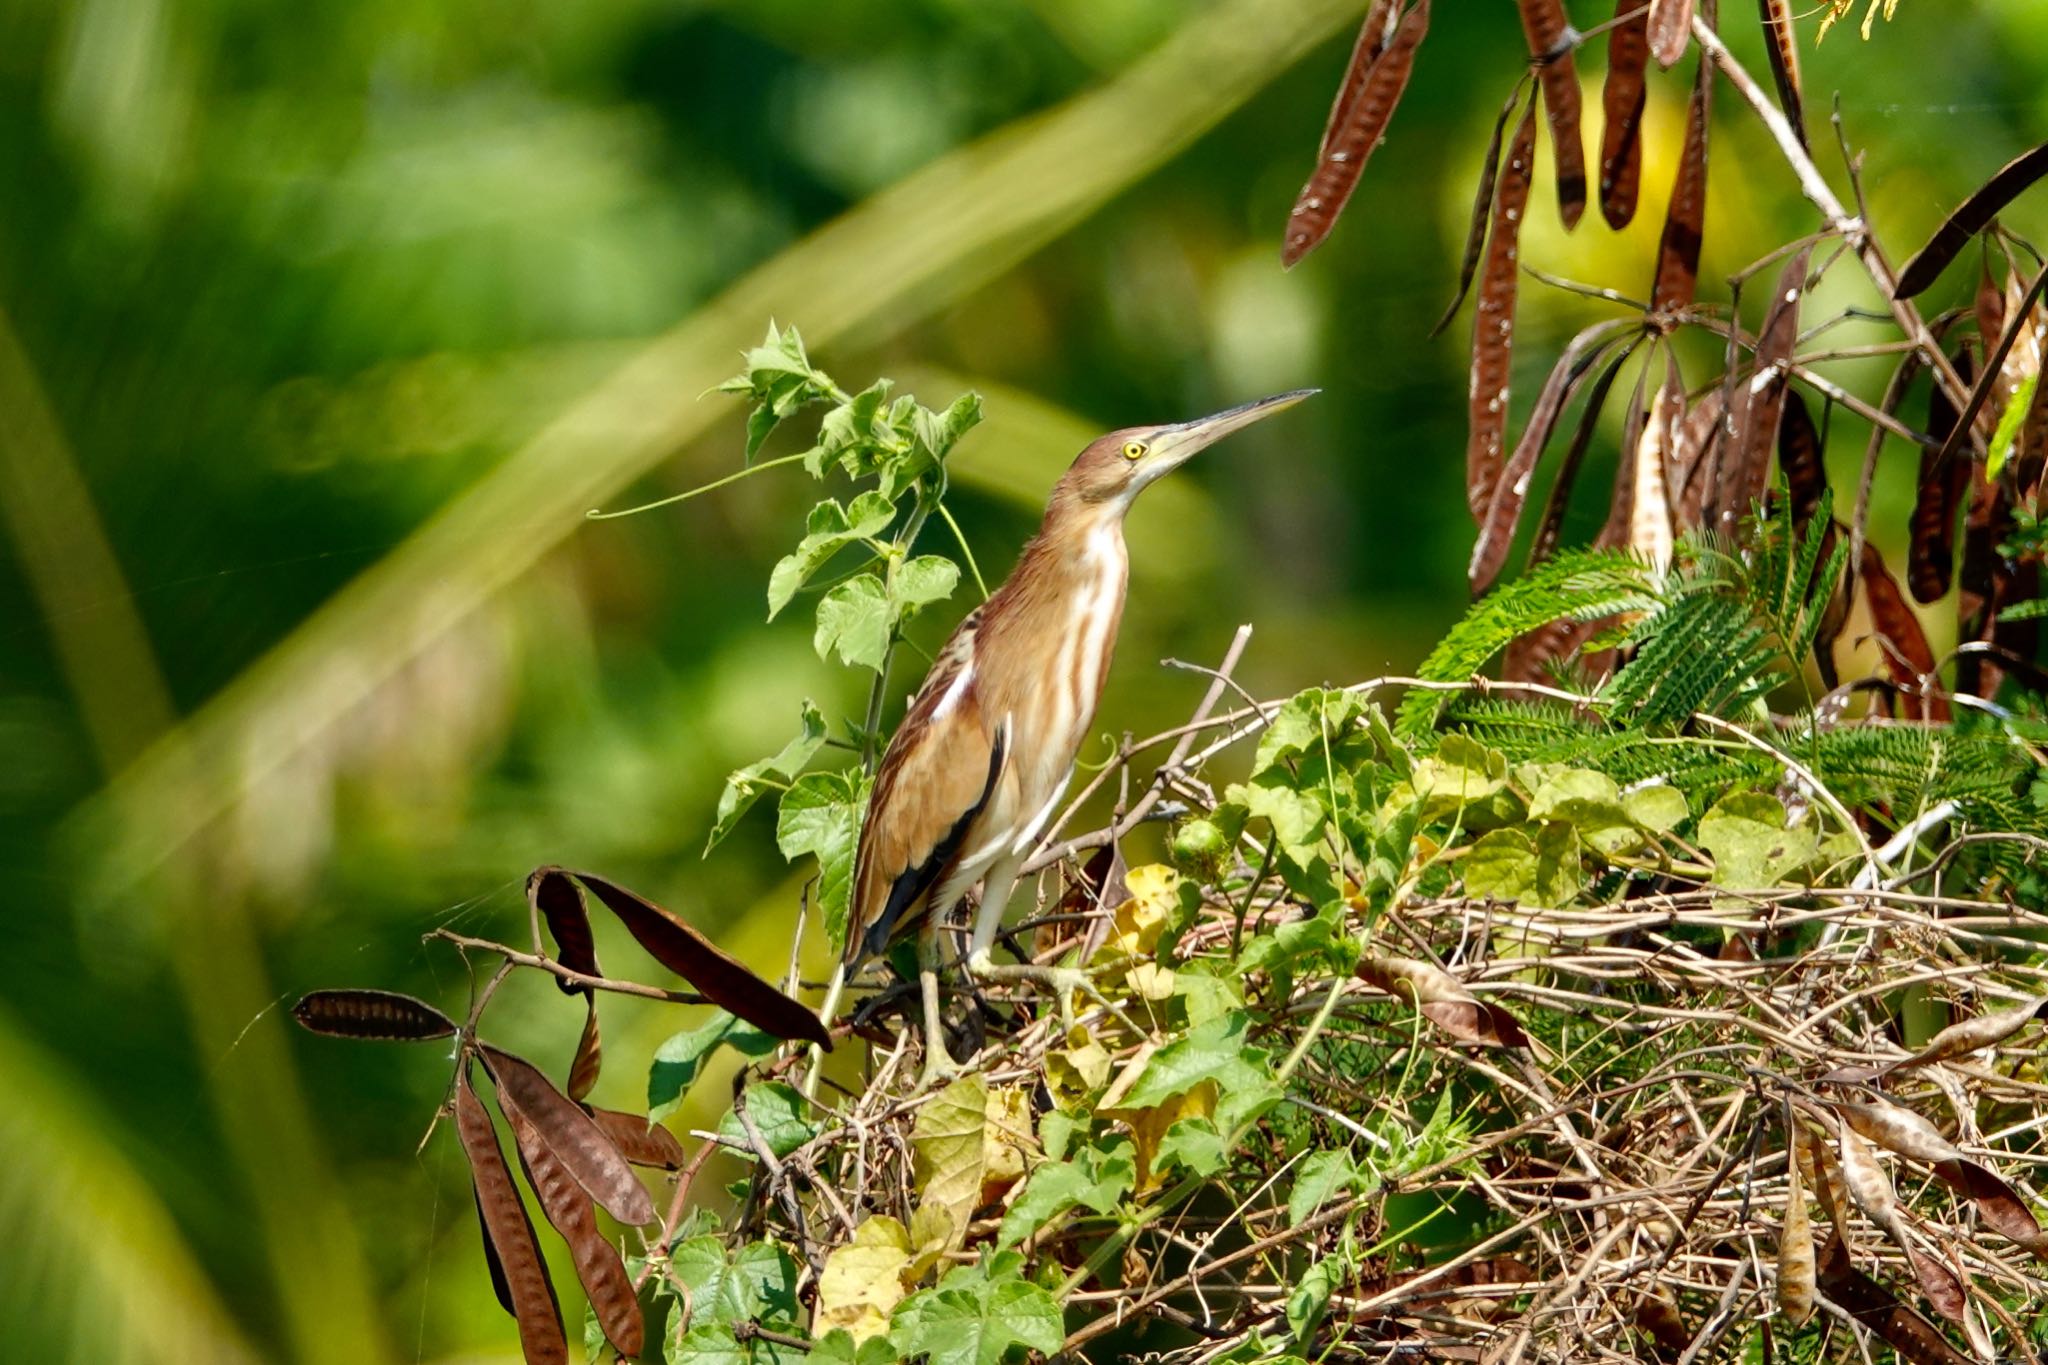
<point>1176,444</point>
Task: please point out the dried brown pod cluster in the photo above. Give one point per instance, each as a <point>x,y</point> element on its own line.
<point>1719,443</point>
<point>576,1158</point>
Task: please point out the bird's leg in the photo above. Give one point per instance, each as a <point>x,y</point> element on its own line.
<point>938,1064</point>
<point>1061,981</point>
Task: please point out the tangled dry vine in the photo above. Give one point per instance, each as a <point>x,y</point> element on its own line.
<point>1509,1127</point>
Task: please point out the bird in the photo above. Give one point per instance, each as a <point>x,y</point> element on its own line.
<point>988,743</point>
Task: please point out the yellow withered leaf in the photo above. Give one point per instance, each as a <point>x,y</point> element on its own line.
<point>863,1281</point>
<point>1148,1123</point>
<point>1005,1135</point>
<point>1796,1269</point>
<point>931,1237</point>
<point>1076,1071</point>
<point>946,1141</point>
<point>1136,925</point>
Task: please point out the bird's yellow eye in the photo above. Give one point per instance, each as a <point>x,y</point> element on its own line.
<point>1133,449</point>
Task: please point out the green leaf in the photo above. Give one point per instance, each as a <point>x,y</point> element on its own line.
<point>1304,723</point>
<point>977,1315</point>
<point>2032,610</point>
<point>678,1060</point>
<point>1098,1178</point>
<point>829,529</point>
<point>1560,874</point>
<point>1658,808</point>
<point>1056,1129</point>
<point>837,1348</point>
<point>1321,1177</point>
<point>856,436</point>
<point>922,581</point>
<point>1051,1190</point>
<point>1500,866</point>
<point>854,620</point>
<point>1310,1298</point>
<point>1461,773</point>
<point>779,1112</point>
<point>1240,1109</point>
<point>761,424</point>
<point>1195,1145</point>
<point>939,432</point>
<point>2009,423</point>
<point>1204,994</point>
<point>744,786</point>
<point>1214,1051</point>
<point>1298,818</point>
<point>820,815</point>
<point>705,1343</point>
<point>757,1283</point>
<point>1591,803</point>
<point>1752,848</point>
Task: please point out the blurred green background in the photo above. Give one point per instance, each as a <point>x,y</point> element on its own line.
<point>320,327</point>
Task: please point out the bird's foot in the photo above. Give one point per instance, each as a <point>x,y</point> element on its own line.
<point>1063,982</point>
<point>940,1070</point>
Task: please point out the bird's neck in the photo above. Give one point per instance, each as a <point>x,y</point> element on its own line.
<point>1077,548</point>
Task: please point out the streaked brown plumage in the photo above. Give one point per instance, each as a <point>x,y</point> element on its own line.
<point>989,742</point>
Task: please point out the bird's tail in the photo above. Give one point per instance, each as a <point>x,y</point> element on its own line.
<point>826,1012</point>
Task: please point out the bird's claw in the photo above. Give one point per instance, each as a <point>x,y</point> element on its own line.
<point>1063,982</point>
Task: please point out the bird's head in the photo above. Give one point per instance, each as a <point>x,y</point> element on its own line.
<point>1115,468</point>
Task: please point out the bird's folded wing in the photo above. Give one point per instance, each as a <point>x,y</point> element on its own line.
<point>936,777</point>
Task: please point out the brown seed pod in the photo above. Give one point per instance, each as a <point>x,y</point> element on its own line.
<point>371,1014</point>
<point>1867,1183</point>
<point>560,902</point>
<point>1898,1130</point>
<point>1511,490</point>
<point>723,978</point>
<point>1795,1253</point>
<point>1440,998</point>
<point>1650,528</point>
<point>1550,36</point>
<point>1976,1033</point>
<point>1998,1203</point>
<point>589,1059</point>
<point>1939,1285</point>
<point>1670,30</point>
<point>1969,218</point>
<point>1908,658</point>
<point>1685,220</point>
<point>509,1236</point>
<point>1493,321</point>
<point>1699,439</point>
<point>1781,46</point>
<point>569,1210</point>
<point>581,1146</point>
<point>639,1139</point>
<point>1745,476</point>
<point>1482,208</point>
<point>1622,97</point>
<point>1348,143</point>
<point>1914,1338</point>
<point>1800,457</point>
<point>1551,527</point>
<point>1938,499</point>
<point>1382,18</point>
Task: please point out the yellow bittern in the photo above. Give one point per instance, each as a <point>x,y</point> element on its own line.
<point>989,742</point>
